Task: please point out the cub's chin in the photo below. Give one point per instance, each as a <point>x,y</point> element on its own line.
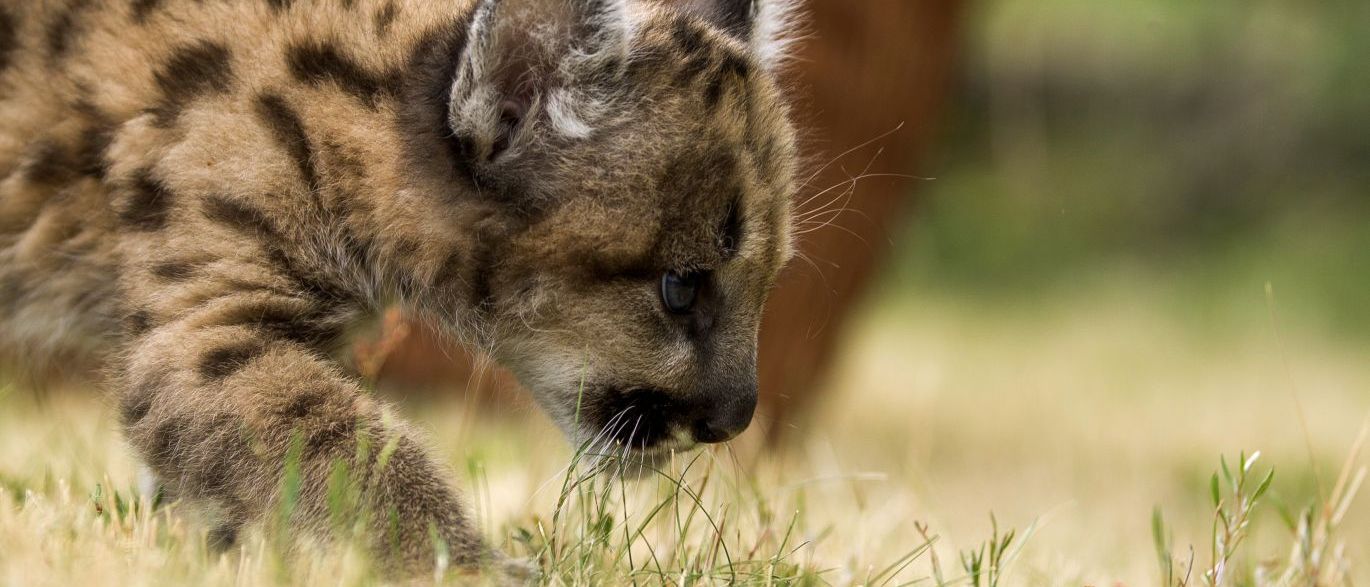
<point>648,464</point>
<point>667,458</point>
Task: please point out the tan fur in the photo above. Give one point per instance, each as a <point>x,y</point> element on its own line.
<point>208,194</point>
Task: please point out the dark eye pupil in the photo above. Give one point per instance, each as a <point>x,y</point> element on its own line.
<point>679,291</point>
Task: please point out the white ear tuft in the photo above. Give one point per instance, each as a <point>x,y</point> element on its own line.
<point>614,21</point>
<point>767,26</point>
<point>774,30</point>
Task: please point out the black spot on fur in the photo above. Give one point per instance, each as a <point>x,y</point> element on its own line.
<point>279,5</point>
<point>142,9</point>
<point>196,69</point>
<point>320,63</point>
<point>693,67</point>
<point>310,328</point>
<point>148,203</point>
<point>386,17</point>
<point>174,270</point>
<point>222,537</point>
<point>285,124</point>
<point>737,66</point>
<point>50,164</point>
<point>688,37</point>
<point>9,37</point>
<point>239,217</point>
<point>89,158</point>
<point>227,360</point>
<point>303,404</point>
<point>135,404</point>
<point>733,67</point>
<point>331,437</point>
<point>193,71</point>
<point>65,30</point>
<point>713,93</point>
<point>137,323</point>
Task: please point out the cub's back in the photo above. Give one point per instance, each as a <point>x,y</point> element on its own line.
<point>91,92</point>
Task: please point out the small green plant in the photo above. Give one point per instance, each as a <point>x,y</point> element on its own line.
<point>1232,513</point>
<point>1317,556</point>
<point>985,565</point>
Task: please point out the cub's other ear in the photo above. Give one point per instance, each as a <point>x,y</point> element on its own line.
<point>516,78</point>
<point>766,26</point>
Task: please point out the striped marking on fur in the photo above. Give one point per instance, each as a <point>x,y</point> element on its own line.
<point>288,128</point>
<point>148,204</point>
<point>318,63</point>
<point>193,71</point>
<point>224,361</point>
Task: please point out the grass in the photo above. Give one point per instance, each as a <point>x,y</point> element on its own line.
<point>1318,554</point>
<point>1071,420</point>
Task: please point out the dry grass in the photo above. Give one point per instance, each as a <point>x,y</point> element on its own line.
<point>1072,422</point>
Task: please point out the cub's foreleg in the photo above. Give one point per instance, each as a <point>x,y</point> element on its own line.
<point>223,384</point>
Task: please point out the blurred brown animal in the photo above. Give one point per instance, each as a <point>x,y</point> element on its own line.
<point>873,81</point>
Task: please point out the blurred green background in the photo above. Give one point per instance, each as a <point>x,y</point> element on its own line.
<point>1198,149</point>
<point>1076,314</point>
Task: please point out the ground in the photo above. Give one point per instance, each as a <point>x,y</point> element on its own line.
<point>1069,418</point>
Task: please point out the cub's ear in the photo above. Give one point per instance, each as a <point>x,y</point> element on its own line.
<point>766,26</point>
<point>517,75</point>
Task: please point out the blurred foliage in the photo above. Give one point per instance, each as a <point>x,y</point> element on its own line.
<point>1209,146</point>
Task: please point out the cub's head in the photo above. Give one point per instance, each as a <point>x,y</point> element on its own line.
<point>645,154</point>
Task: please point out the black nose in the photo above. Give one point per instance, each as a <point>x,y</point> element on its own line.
<point>725,417</point>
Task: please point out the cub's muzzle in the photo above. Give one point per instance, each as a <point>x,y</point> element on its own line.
<point>645,418</point>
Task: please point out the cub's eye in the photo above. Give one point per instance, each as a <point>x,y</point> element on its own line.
<point>679,291</point>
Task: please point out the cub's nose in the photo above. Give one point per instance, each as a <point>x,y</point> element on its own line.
<point>725,416</point>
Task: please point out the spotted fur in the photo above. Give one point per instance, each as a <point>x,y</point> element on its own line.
<point>206,195</point>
